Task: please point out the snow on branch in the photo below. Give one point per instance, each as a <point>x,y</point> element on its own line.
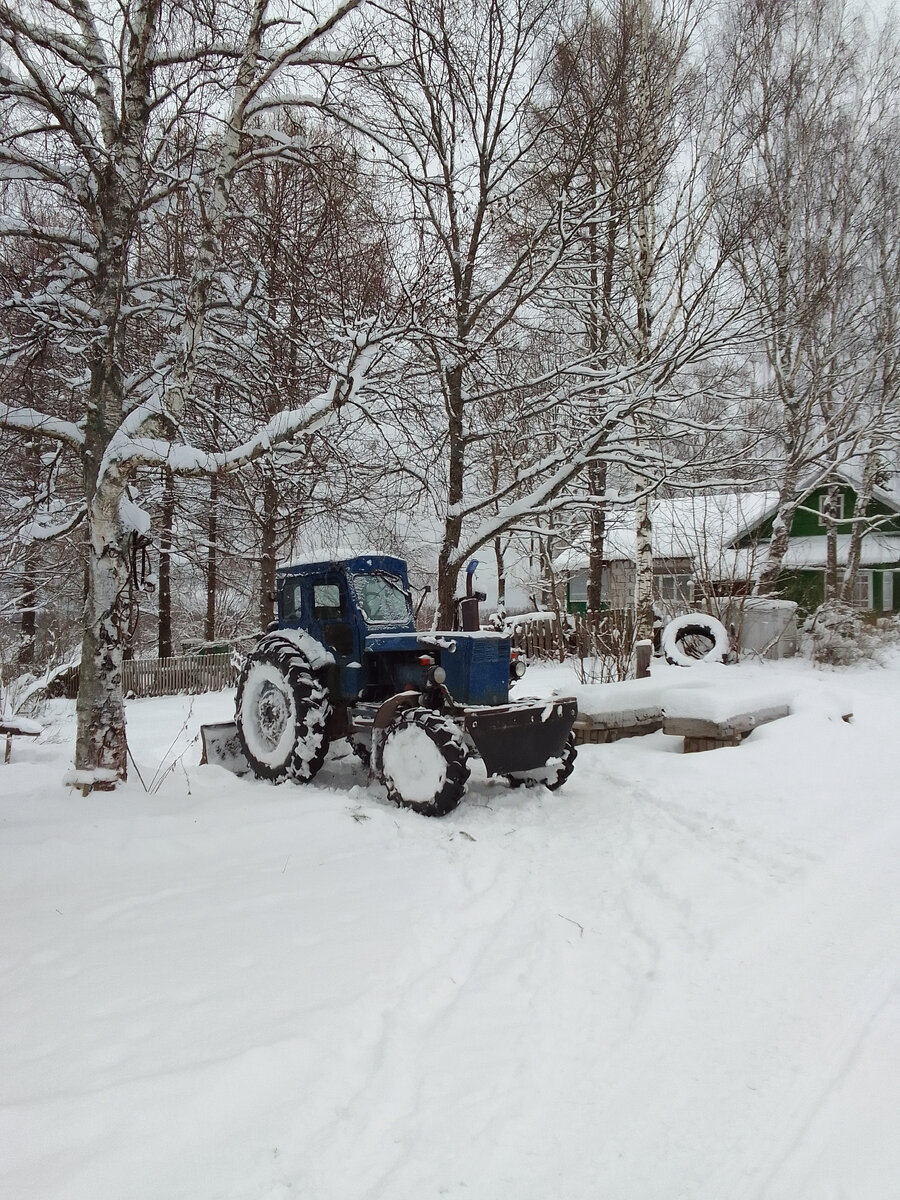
<point>134,444</point>
<point>44,529</point>
<point>19,227</point>
<point>29,420</point>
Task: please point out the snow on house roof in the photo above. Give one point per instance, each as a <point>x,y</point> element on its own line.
<point>810,554</point>
<point>698,527</point>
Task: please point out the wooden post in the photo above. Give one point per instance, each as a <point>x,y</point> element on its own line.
<point>643,651</point>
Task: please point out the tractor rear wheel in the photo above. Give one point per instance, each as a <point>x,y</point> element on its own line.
<point>422,761</point>
<point>281,712</point>
<point>553,775</point>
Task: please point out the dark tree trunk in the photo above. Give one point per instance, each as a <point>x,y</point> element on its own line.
<point>166,522</point>
<point>597,484</point>
<point>267,551</point>
<point>212,563</point>
<point>501,573</point>
<point>448,560</point>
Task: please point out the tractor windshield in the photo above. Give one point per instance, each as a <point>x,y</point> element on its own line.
<point>382,598</point>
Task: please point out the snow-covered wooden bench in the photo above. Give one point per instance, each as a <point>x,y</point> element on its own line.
<point>596,728</point>
<point>609,711</point>
<point>11,727</point>
<point>710,719</point>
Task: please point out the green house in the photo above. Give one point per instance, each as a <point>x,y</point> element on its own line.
<point>707,545</point>
<point>803,571</point>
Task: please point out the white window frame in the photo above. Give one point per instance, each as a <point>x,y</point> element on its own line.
<point>862,577</point>
<point>887,591</point>
<point>840,513</point>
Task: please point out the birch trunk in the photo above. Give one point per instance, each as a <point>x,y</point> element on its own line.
<point>100,747</point>
<point>829,514</point>
<point>858,529</point>
<point>767,581</point>
<point>28,627</point>
<point>212,531</point>
<point>643,569</point>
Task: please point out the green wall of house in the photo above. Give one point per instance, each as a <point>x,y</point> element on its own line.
<point>806,519</point>
<point>807,588</point>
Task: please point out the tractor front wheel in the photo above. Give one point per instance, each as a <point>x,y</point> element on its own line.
<point>422,761</point>
<point>281,712</point>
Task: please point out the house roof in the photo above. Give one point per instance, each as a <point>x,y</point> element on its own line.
<point>704,528</point>
<point>698,527</point>
<point>810,553</point>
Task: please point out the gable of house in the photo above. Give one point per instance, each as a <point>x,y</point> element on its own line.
<point>809,523</point>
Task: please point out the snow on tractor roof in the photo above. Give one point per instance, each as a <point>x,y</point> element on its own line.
<point>367,561</point>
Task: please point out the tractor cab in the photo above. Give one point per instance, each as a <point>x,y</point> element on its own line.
<point>341,603</point>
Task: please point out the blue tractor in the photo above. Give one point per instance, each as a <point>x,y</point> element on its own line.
<point>344,659</point>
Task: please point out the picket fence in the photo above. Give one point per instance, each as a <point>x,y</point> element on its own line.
<point>186,673</point>
<point>582,634</point>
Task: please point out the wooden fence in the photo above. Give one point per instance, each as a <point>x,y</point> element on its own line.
<point>143,677</point>
<point>584,635</point>
<point>186,673</point>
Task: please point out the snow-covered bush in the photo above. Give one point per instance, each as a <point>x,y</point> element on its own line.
<point>838,635</point>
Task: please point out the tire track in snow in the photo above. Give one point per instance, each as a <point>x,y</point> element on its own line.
<point>720,1085</point>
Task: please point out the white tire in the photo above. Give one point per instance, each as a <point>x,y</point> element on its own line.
<point>693,638</point>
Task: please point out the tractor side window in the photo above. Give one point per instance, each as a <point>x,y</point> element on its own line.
<point>327,602</point>
<point>291,605</point>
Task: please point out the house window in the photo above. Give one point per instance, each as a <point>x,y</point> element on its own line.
<point>674,590</point>
<point>862,590</point>
<point>839,507</point>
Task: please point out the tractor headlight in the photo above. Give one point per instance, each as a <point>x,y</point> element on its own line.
<point>437,675</point>
<point>516,668</point>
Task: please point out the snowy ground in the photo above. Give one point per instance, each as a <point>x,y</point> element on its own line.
<point>677,977</point>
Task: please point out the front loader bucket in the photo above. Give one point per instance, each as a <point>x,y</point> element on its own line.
<point>222,748</point>
<point>521,737</point>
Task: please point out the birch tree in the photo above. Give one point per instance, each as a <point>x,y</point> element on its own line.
<point>91,97</point>
<point>812,252</point>
<point>454,128</point>
<point>644,282</point>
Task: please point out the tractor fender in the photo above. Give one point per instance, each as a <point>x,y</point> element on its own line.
<point>390,707</point>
